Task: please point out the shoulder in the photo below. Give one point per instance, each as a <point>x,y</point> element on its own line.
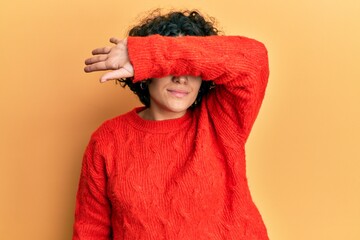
<point>107,129</point>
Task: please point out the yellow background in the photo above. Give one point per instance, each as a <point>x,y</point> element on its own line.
<point>303,154</point>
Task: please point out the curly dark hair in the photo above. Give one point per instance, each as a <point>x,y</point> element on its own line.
<point>185,23</point>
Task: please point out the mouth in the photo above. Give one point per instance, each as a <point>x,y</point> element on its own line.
<point>178,93</point>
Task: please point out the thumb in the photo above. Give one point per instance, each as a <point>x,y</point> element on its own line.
<point>116,74</point>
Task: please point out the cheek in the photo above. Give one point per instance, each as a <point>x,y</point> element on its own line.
<point>196,82</point>
<point>198,85</point>
<point>152,91</point>
<point>196,88</point>
<point>154,88</point>
<point>157,85</point>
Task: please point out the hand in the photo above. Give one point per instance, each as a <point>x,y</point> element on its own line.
<point>115,58</point>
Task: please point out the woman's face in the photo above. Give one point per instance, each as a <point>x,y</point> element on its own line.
<point>171,96</point>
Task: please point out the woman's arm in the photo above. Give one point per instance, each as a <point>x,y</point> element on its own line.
<point>237,65</point>
<point>92,213</point>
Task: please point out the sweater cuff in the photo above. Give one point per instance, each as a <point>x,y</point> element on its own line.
<point>142,57</point>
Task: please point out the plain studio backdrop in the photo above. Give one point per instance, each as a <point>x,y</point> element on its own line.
<point>302,156</point>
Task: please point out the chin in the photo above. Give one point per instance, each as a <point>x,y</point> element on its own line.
<point>179,107</point>
<point>178,110</point>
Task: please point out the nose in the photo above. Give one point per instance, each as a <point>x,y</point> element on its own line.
<point>180,79</point>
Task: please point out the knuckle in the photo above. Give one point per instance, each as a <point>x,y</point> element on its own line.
<point>112,65</point>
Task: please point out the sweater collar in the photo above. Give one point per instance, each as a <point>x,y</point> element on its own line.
<point>162,126</point>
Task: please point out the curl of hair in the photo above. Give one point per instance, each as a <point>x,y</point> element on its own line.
<point>177,23</point>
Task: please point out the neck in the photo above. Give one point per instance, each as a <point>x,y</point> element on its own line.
<point>150,114</point>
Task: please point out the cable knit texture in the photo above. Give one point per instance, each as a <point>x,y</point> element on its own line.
<point>182,178</point>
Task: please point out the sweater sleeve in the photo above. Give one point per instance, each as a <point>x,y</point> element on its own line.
<point>93,210</point>
<point>237,65</point>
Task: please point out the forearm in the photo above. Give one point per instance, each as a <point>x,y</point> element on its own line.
<point>218,58</point>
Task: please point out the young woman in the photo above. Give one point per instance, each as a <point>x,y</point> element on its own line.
<point>175,168</point>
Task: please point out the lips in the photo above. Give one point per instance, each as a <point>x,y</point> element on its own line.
<point>178,93</point>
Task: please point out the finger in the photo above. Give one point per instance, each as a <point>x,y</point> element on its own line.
<point>103,50</point>
<point>99,66</point>
<point>98,58</point>
<point>115,40</point>
<point>116,74</point>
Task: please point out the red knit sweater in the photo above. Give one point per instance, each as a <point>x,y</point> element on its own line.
<point>182,178</point>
